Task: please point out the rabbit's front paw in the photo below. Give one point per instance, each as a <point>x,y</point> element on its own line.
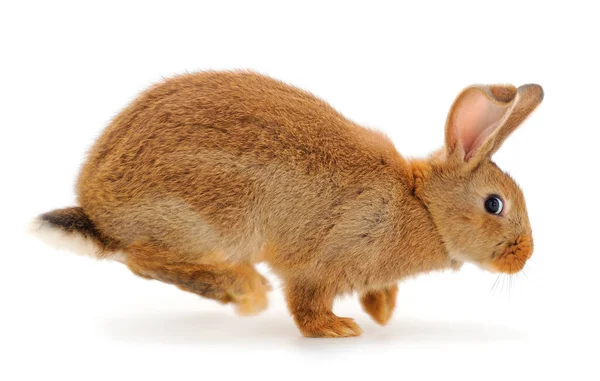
<point>380,304</point>
<point>326,325</point>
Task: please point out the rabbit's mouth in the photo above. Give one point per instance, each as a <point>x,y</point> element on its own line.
<point>514,257</point>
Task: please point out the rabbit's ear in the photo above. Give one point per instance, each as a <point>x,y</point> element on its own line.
<point>482,117</point>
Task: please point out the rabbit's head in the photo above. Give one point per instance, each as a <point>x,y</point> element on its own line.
<point>479,210</point>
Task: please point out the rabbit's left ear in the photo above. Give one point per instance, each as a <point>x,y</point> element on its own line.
<point>482,117</point>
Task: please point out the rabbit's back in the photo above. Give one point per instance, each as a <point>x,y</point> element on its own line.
<point>228,161</point>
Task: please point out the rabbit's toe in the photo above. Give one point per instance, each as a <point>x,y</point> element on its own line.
<point>327,325</point>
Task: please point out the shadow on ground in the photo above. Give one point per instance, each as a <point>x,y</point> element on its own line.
<point>277,330</point>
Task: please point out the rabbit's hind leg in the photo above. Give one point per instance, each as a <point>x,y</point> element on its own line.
<point>238,283</point>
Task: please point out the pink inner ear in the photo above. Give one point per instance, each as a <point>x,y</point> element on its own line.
<point>477,118</point>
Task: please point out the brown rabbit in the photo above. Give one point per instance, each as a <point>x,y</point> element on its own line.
<point>206,174</point>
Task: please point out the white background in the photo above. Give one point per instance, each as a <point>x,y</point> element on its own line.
<point>67,68</point>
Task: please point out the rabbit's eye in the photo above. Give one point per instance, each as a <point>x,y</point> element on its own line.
<point>494,204</point>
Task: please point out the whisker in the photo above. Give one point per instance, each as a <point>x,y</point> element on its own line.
<point>495,283</point>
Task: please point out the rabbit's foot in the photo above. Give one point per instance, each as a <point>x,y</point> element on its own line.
<point>326,325</point>
<point>380,304</point>
<point>249,291</point>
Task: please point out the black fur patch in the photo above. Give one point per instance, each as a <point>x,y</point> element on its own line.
<point>74,220</point>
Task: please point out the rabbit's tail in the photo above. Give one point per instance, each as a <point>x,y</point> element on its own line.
<point>72,229</point>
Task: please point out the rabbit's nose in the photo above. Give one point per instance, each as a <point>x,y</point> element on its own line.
<point>513,258</point>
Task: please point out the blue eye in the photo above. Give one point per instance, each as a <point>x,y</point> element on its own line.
<point>494,205</point>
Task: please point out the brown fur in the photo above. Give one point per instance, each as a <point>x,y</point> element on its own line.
<point>205,174</point>
<point>380,304</point>
<point>74,220</point>
<point>238,283</point>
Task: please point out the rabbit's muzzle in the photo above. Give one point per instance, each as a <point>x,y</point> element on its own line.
<point>515,255</point>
